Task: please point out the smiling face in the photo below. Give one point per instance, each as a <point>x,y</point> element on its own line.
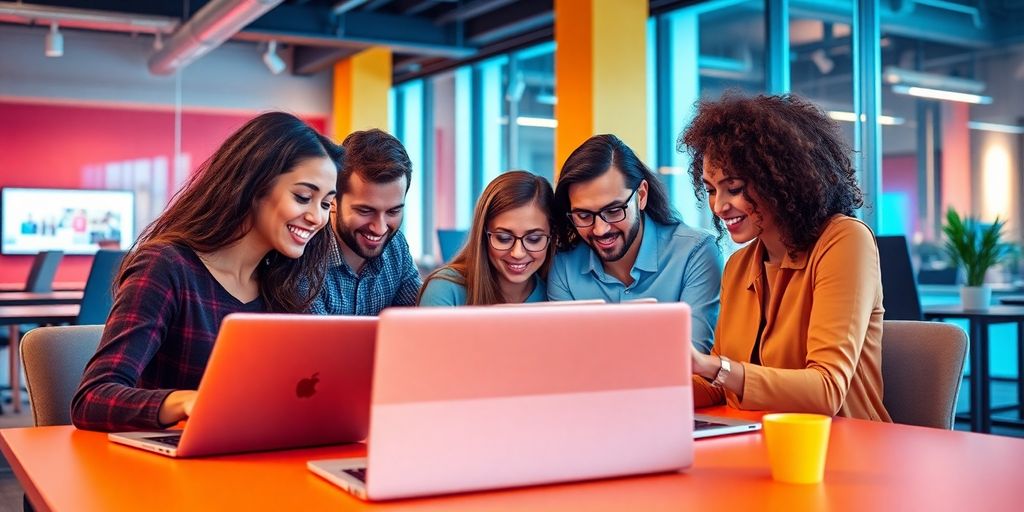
<point>297,206</point>
<point>369,215</point>
<point>728,198</point>
<point>515,266</point>
<point>611,241</point>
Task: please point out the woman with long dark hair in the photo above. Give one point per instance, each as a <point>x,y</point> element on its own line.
<point>509,249</point>
<point>243,235</point>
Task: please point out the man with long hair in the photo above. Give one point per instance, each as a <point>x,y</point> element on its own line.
<point>371,268</point>
<point>634,245</point>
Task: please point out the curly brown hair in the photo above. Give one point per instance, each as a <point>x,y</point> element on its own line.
<point>787,151</point>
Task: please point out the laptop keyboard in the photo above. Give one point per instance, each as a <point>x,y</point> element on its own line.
<point>171,440</point>
<point>701,424</point>
<point>357,473</point>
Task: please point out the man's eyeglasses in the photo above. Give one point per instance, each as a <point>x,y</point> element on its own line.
<point>611,215</point>
<point>532,242</point>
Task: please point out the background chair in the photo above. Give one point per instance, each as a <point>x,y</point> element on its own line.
<point>97,297</point>
<point>44,267</point>
<point>899,289</point>
<point>55,358</point>
<point>451,241</point>
<point>922,368</point>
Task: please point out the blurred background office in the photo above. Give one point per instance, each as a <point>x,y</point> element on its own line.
<point>133,96</point>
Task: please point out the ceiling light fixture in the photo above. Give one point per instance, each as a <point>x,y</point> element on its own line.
<point>272,60</point>
<point>940,94</point>
<point>995,127</point>
<point>840,115</point>
<point>54,41</point>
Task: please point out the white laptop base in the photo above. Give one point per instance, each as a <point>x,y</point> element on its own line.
<point>712,426</point>
<point>164,442</point>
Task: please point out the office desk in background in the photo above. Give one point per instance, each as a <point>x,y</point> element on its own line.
<point>871,466</point>
<point>58,286</point>
<point>13,316</point>
<point>981,381</point>
<point>40,298</point>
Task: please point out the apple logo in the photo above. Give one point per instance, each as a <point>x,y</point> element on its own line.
<point>307,387</point>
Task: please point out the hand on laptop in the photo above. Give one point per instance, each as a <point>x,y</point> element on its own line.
<point>177,406</point>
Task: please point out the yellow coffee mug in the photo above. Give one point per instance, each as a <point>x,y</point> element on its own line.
<point>797,446</point>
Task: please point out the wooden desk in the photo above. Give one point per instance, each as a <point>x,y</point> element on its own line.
<point>981,382</point>
<point>13,316</point>
<point>40,298</point>
<point>871,466</point>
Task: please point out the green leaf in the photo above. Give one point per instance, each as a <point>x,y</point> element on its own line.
<point>973,247</point>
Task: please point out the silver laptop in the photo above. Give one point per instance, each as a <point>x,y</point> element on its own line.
<point>276,381</point>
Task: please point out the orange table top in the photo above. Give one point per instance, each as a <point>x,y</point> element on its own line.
<point>870,466</point>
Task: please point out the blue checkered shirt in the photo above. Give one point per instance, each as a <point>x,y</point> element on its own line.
<point>390,279</point>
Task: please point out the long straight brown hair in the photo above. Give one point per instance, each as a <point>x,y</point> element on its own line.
<point>471,266</point>
<point>216,206</point>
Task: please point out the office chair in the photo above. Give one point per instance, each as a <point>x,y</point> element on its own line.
<point>451,241</point>
<point>922,369</point>
<point>899,289</point>
<point>54,359</point>
<point>97,297</point>
<point>44,267</point>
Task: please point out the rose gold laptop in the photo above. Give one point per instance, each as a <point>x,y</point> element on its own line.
<point>475,398</point>
<point>276,381</point>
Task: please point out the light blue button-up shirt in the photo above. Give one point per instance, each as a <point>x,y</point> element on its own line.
<point>675,263</point>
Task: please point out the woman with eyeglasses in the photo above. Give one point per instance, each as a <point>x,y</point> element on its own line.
<point>509,250</point>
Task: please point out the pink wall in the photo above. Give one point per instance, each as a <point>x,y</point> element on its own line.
<point>956,158</point>
<point>61,146</point>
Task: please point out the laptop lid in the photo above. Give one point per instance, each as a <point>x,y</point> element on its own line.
<point>476,398</point>
<point>280,381</point>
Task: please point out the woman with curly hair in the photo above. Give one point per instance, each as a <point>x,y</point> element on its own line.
<point>776,173</point>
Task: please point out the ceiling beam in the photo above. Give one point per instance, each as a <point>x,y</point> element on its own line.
<point>309,60</point>
<point>315,26</point>
<point>471,10</point>
<point>509,21</point>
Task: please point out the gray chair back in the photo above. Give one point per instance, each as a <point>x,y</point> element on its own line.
<point>97,297</point>
<point>44,267</point>
<point>55,358</point>
<point>922,368</point>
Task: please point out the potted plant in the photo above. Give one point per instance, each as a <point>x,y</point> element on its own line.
<point>974,247</point>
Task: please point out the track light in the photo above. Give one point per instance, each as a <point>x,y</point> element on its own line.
<point>273,61</point>
<point>54,42</point>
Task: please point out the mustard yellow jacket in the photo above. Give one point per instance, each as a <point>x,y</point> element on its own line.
<point>821,349</point>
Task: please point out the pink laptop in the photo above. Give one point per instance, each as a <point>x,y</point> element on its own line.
<point>276,381</point>
<point>474,398</point>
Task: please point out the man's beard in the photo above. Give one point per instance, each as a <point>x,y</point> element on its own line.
<point>349,238</point>
<point>634,230</point>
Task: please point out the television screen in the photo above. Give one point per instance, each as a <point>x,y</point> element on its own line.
<point>73,221</point>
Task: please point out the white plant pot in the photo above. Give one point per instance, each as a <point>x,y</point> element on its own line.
<point>976,297</point>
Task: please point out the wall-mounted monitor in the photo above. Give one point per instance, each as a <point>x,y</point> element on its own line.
<point>73,221</point>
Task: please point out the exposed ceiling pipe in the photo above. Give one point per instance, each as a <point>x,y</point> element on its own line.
<point>215,23</point>
<point>89,19</point>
